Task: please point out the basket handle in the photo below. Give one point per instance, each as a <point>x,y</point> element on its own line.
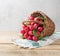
<point>29,21</point>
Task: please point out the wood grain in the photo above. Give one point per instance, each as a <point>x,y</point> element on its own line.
<point>12,50</point>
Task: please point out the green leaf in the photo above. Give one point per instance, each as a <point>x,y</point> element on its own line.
<point>42,33</point>
<point>41,36</point>
<point>35,32</point>
<point>42,18</point>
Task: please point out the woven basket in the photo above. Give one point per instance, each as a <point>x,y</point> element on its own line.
<point>48,24</point>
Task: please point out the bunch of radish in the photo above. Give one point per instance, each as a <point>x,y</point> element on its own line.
<point>31,29</point>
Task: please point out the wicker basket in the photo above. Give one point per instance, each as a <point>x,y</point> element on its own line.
<point>48,24</point>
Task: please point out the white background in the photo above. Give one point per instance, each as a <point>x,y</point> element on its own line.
<point>13,12</point>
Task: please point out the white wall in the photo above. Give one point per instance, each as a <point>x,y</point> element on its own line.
<point>13,12</point>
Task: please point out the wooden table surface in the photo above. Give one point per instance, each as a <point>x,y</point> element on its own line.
<point>7,48</point>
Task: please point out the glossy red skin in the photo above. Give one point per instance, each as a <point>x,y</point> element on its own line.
<point>31,27</point>
<point>29,38</point>
<point>22,31</point>
<point>35,25</point>
<point>24,26</point>
<point>40,28</point>
<point>26,29</point>
<point>37,19</point>
<point>30,18</point>
<point>26,35</point>
<point>38,33</point>
<point>30,33</point>
<point>32,23</point>
<point>34,38</point>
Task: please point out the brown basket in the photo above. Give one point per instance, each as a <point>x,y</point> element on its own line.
<point>48,24</point>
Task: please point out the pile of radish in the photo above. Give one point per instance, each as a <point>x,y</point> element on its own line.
<point>33,31</point>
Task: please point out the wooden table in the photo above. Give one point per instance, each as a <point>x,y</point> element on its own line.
<point>9,49</point>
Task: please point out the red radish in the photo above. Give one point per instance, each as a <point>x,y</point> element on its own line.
<point>26,29</point>
<point>35,25</point>
<point>30,33</point>
<point>41,21</point>
<point>37,19</point>
<point>38,33</point>
<point>40,28</point>
<point>22,31</point>
<point>31,18</point>
<point>29,38</point>
<point>25,35</point>
<point>24,26</point>
<point>31,27</point>
<point>32,23</point>
<point>34,38</point>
